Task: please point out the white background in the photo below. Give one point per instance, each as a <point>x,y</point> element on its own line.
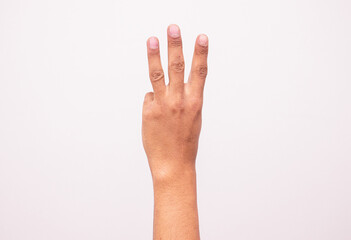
<point>275,147</point>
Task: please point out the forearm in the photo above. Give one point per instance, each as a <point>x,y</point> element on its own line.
<point>175,209</point>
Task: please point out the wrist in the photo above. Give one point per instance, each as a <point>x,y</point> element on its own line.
<point>173,176</point>
<point>175,188</point>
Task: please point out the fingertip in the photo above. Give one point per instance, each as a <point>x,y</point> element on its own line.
<point>153,43</point>
<point>202,40</point>
<point>173,30</point>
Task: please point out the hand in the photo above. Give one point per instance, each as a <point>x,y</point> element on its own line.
<point>172,113</point>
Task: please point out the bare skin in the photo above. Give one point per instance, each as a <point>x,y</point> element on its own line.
<point>170,129</point>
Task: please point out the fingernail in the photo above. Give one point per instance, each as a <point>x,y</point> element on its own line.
<point>153,43</point>
<point>174,31</point>
<point>203,40</point>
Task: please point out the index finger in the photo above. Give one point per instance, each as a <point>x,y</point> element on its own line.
<point>155,68</point>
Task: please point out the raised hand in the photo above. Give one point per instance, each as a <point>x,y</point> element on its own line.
<point>170,129</point>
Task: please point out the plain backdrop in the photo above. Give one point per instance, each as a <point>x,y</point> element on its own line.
<point>274,158</point>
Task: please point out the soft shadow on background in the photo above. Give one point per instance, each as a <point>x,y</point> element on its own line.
<point>275,148</point>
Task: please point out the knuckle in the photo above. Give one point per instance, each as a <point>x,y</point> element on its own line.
<point>177,65</point>
<point>156,75</point>
<point>176,106</point>
<point>195,105</point>
<point>201,50</point>
<point>154,52</point>
<point>201,70</point>
<point>152,113</point>
<point>175,42</point>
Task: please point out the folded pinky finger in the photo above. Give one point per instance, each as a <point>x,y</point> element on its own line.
<point>149,97</point>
